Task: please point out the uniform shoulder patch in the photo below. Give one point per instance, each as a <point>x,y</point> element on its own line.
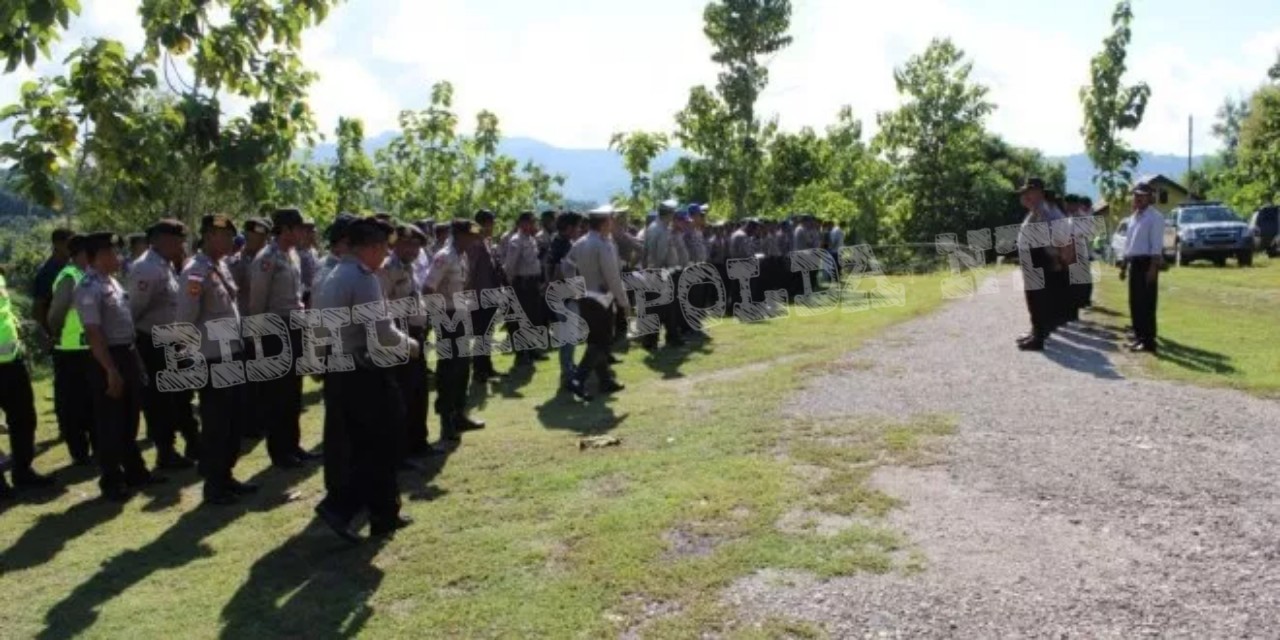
<point>194,286</point>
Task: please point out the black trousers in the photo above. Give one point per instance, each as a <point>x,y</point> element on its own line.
<point>222,416</point>
<point>19,406</point>
<point>412,380</point>
<point>595,358</point>
<point>529,295</point>
<point>72,402</point>
<point>280,402</point>
<point>166,413</point>
<point>453,374</point>
<point>116,421</point>
<point>668,314</point>
<point>1143,299</point>
<point>366,444</point>
<point>481,318</point>
<point>337,457</point>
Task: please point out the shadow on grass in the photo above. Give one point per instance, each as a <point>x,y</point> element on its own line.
<point>178,546</point>
<point>1080,351</point>
<point>668,360</point>
<point>1193,359</point>
<point>42,541</point>
<point>309,587</point>
<point>585,418</point>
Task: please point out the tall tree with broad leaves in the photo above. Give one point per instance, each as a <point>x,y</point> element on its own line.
<point>1111,108</point>
<point>353,171</point>
<point>934,142</point>
<point>744,34</point>
<point>1231,117</point>
<point>204,50</point>
<point>638,150</point>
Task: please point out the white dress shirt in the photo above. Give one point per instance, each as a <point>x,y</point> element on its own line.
<point>1146,235</point>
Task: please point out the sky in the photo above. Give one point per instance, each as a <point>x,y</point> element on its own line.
<point>572,72</point>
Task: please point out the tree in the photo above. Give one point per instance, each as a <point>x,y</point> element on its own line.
<point>722,127</point>
<point>1231,116</point>
<point>1260,146</point>
<point>934,142</point>
<point>1110,109</point>
<point>353,171</point>
<point>247,49</point>
<point>638,150</point>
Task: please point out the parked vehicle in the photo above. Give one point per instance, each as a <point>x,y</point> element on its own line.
<point>1207,231</point>
<point>1117,242</point>
<point>1265,227</point>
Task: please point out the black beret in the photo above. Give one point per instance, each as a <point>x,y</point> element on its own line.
<point>75,244</point>
<point>526,216</point>
<point>61,234</point>
<point>257,225</point>
<point>442,227</point>
<point>136,237</point>
<point>549,213</point>
<point>464,226</point>
<point>485,216</point>
<point>369,231</point>
<point>337,232</point>
<point>100,241</point>
<point>167,227</point>
<point>217,221</point>
<point>288,217</point>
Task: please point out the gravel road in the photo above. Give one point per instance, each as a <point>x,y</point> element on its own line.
<point>1074,501</point>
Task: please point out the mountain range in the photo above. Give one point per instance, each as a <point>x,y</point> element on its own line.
<point>593,175</point>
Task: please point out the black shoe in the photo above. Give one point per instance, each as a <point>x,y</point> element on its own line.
<point>579,389</point>
<point>6,491</point>
<point>224,498</point>
<point>29,479</point>
<point>1143,348</point>
<point>1026,337</point>
<point>172,461</point>
<point>242,488</point>
<point>540,356</point>
<point>389,528</point>
<point>149,480</point>
<point>1035,344</point>
<point>339,524</point>
<point>288,462</point>
<point>306,456</point>
<point>464,423</point>
<point>611,386</point>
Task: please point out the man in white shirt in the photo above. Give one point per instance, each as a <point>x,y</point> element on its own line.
<point>1144,255</point>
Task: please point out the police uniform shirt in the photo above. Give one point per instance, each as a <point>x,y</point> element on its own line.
<point>448,274</point>
<point>521,258</point>
<point>399,282</point>
<point>60,305</point>
<point>103,303</point>
<point>1044,213</point>
<point>1145,237</point>
<point>208,293</point>
<point>543,238</point>
<point>275,282</point>
<point>308,266</point>
<point>695,245</point>
<point>239,265</point>
<point>153,292</point>
<point>740,245</point>
<point>326,266</point>
<point>658,253</point>
<point>771,248</point>
<point>595,259</point>
<point>348,285</point>
<point>422,264</point>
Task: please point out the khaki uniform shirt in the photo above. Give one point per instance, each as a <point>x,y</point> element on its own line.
<point>275,282</point>
<point>209,293</point>
<point>103,303</point>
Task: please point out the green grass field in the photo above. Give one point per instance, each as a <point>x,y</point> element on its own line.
<point>1218,326</point>
<point>518,532</point>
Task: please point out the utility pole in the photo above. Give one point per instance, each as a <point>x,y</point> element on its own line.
<point>1190,146</point>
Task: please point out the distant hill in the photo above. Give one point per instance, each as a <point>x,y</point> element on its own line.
<point>1080,170</point>
<point>595,174</point>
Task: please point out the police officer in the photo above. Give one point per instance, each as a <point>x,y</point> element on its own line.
<point>566,234</point>
<point>595,259</point>
<point>365,395</point>
<point>276,287</point>
<point>1043,303</point>
<point>209,295</point>
<point>521,265</point>
<point>116,377</point>
<point>449,275</point>
<point>71,401</point>
<point>153,301</point>
<point>309,258</point>
<point>16,398</point>
<point>399,281</point>
<point>485,273</point>
<point>255,231</point>
<point>660,253</point>
<point>336,235</point>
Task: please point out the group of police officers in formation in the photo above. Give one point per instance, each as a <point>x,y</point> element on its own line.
<point>98,309</point>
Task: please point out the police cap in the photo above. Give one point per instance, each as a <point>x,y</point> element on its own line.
<point>75,244</point>
<point>167,227</point>
<point>257,225</point>
<point>485,216</point>
<point>217,221</point>
<point>461,227</point>
<point>100,241</point>
<point>526,216</point>
<point>337,232</point>
<point>287,217</point>
<point>370,231</point>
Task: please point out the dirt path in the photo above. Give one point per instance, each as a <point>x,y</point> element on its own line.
<point>1073,502</point>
